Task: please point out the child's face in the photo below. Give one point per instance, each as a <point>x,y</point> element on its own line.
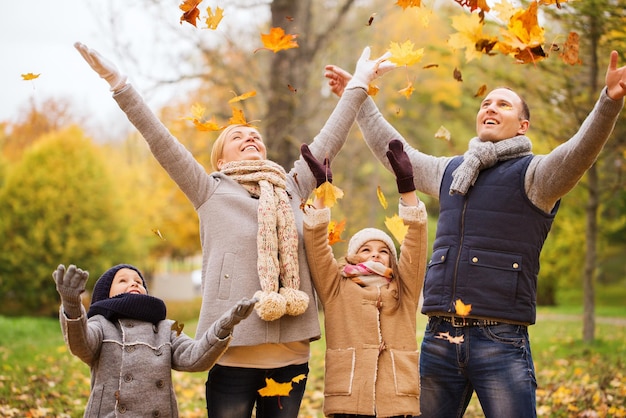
<point>375,251</point>
<point>127,281</point>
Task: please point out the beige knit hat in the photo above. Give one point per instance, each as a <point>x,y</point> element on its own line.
<point>370,234</point>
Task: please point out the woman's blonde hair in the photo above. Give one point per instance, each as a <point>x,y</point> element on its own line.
<point>217,151</point>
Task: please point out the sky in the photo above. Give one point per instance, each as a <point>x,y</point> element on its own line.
<point>37,36</point>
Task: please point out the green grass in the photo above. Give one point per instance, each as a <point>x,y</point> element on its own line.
<point>39,377</point>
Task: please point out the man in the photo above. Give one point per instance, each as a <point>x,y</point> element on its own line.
<point>497,204</point>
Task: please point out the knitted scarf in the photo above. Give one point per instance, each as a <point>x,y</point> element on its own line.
<point>130,305</point>
<point>277,238</point>
<point>481,155</point>
<point>368,273</point>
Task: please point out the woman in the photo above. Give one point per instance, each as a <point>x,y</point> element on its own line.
<point>250,218</point>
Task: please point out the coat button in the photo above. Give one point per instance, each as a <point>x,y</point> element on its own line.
<point>130,348</point>
<point>443,257</point>
<point>156,414</point>
<point>160,384</point>
<point>515,265</point>
<point>475,260</point>
<point>121,409</point>
<point>128,378</point>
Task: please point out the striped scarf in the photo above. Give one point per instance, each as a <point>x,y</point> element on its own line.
<point>277,238</point>
<point>368,273</point>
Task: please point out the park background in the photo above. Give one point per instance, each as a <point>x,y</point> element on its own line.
<point>78,184</point>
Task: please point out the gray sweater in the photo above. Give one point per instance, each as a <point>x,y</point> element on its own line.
<point>131,362</point>
<point>228,220</point>
<point>548,178</point>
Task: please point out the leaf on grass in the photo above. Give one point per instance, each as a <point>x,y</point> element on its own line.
<point>381,197</point>
<point>462,309</point>
<point>30,76</point>
<point>334,231</point>
<point>453,340</point>
<point>404,54</point>
<point>214,19</point>
<point>190,11</point>
<point>443,133</point>
<point>396,226</point>
<point>329,193</point>
<point>277,40</point>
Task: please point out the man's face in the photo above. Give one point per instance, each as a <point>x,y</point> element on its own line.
<point>499,116</point>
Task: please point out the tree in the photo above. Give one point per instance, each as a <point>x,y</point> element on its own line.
<point>58,205</point>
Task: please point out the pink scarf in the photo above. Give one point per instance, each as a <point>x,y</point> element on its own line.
<point>369,273</point>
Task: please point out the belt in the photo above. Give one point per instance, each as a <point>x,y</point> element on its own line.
<point>459,321</point>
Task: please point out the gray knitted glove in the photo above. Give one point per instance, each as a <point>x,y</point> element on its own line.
<point>223,327</point>
<point>102,66</point>
<point>70,284</point>
<point>368,70</point>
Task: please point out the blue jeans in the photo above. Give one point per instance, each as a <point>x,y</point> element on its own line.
<point>232,392</point>
<point>495,361</point>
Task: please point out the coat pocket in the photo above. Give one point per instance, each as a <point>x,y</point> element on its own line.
<point>406,374</point>
<point>339,371</point>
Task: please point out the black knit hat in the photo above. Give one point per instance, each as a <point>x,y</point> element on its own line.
<point>103,285</point>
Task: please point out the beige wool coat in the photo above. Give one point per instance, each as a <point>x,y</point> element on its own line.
<point>372,360</point>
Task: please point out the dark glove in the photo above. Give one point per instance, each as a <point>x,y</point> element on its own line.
<point>321,172</point>
<point>70,284</point>
<point>224,325</point>
<point>402,167</point>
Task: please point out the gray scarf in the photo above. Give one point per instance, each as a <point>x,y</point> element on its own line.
<point>481,155</point>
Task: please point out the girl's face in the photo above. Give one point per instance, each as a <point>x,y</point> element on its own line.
<point>127,281</point>
<point>375,251</point>
<point>242,143</point>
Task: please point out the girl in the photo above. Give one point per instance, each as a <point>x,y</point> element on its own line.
<point>370,302</point>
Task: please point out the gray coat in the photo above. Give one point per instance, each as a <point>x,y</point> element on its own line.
<point>228,220</point>
<point>131,363</point>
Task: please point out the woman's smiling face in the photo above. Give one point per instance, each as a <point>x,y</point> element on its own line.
<point>243,143</point>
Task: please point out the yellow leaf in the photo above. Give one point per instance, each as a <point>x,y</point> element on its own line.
<point>334,231</point>
<point>407,91</point>
<point>29,76</point>
<point>272,388</point>
<point>404,54</point>
<point>158,233</point>
<point>197,111</point>
<point>214,19</point>
<point>178,327</point>
<point>442,133</point>
<point>278,40</point>
<point>372,90</point>
<point>462,309</point>
<point>238,118</point>
<point>328,193</point>
<point>381,197</point>
<point>470,36</point>
<point>396,226</point>
<point>408,3</point>
<point>244,96</point>
<point>191,12</point>
<point>298,378</point>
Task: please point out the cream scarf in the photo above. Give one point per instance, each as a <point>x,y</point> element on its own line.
<point>481,155</point>
<point>277,238</point>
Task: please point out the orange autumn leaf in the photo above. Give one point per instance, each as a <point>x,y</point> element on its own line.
<point>334,231</point>
<point>329,193</point>
<point>214,19</point>
<point>158,233</point>
<point>407,91</point>
<point>396,226</point>
<point>372,90</point>
<point>474,5</point>
<point>30,76</point>
<point>244,96</point>
<point>462,309</point>
<point>381,197</point>
<point>273,388</point>
<point>571,49</point>
<point>404,54</point>
<point>197,116</point>
<point>408,3</point>
<point>277,40</point>
<point>470,36</point>
<point>190,11</point>
<point>238,117</point>
<point>481,91</point>
<point>178,327</point>
<point>523,38</point>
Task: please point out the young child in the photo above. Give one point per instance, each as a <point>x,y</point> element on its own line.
<point>129,345</point>
<point>370,303</point>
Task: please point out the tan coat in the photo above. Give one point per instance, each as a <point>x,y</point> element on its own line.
<point>372,361</point>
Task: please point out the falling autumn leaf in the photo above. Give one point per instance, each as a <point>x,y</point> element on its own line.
<point>372,90</point>
<point>481,91</point>
<point>462,309</point>
<point>470,36</point>
<point>571,49</point>
<point>190,11</point>
<point>457,75</point>
<point>30,76</point>
<point>523,38</point>
<point>474,5</point>
<point>244,96</point>
<point>443,133</point>
<point>381,197</point>
<point>277,40</point>
<point>396,226</point>
<point>371,19</point>
<point>158,233</point>
<point>408,3</point>
<point>404,54</point>
<point>407,91</point>
<point>214,19</point>
<point>178,327</point>
<point>292,88</point>
<point>329,193</point>
<point>334,231</point>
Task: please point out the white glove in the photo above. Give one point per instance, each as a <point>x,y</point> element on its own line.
<point>102,66</point>
<point>369,70</point>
